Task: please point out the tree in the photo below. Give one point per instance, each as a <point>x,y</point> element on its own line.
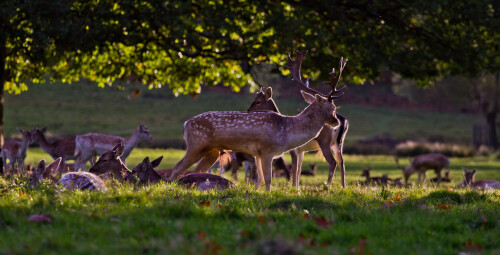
<point>184,44</point>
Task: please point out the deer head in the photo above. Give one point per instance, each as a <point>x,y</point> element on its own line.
<point>144,133</point>
<point>37,134</point>
<point>469,176</point>
<point>110,161</point>
<point>325,102</point>
<point>26,134</point>
<point>366,172</point>
<point>264,101</point>
<point>41,171</point>
<point>145,171</point>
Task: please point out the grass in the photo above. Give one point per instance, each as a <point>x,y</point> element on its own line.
<point>166,218</point>
<point>83,107</point>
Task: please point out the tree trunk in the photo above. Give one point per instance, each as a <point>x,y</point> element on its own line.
<point>491,119</point>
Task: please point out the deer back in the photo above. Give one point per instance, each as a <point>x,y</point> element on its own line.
<point>82,181</point>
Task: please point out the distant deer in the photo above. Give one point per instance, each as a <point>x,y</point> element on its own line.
<point>264,135</point>
<point>94,144</point>
<point>384,180</point>
<point>397,182</point>
<point>446,177</point>
<point>330,140</point>
<point>420,164</point>
<point>484,184</point>
<point>15,151</point>
<point>312,171</point>
<point>63,147</point>
<point>110,161</point>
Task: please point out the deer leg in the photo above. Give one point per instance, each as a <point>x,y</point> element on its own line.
<point>326,150</point>
<point>81,160</point>
<point>438,173</point>
<point>267,168</point>
<point>296,166</point>
<point>340,160</point>
<point>189,159</point>
<point>260,173</point>
<point>207,161</point>
<point>61,167</point>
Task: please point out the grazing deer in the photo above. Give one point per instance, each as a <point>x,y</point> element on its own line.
<point>446,177</point>
<point>110,161</point>
<point>420,164</point>
<point>397,182</point>
<point>384,180</point>
<point>15,151</point>
<point>71,180</point>
<point>484,184</point>
<point>330,140</point>
<point>94,144</point>
<point>63,148</point>
<point>261,134</point>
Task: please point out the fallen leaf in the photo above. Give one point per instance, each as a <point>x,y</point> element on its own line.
<point>444,206</point>
<point>212,248</point>
<point>38,218</point>
<point>219,206</point>
<point>136,93</point>
<point>361,245</point>
<point>262,219</point>
<point>201,235</point>
<point>472,246</point>
<point>397,198</point>
<point>204,203</point>
<point>322,222</point>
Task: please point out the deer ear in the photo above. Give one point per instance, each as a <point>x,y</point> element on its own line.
<point>308,97</point>
<point>156,162</point>
<point>474,171</point>
<point>41,164</point>
<point>54,165</point>
<point>269,93</point>
<point>118,150</point>
<point>260,91</point>
<point>146,160</point>
<point>19,130</point>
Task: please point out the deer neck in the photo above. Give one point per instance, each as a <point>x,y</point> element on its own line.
<point>130,144</point>
<point>46,146</point>
<point>24,147</point>
<point>305,126</point>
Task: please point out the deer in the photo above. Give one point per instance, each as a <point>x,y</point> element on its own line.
<point>15,151</point>
<point>484,184</point>
<point>420,164</point>
<point>93,144</point>
<point>146,173</point>
<point>312,171</point>
<point>110,162</point>
<point>63,147</point>
<point>44,172</point>
<point>446,177</point>
<point>263,135</point>
<point>330,140</point>
<point>384,180</point>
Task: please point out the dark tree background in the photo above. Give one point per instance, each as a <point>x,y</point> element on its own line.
<point>184,44</point>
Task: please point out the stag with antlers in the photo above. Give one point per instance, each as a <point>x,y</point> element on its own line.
<point>264,135</point>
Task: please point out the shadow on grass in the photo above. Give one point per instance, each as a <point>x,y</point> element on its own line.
<point>453,197</point>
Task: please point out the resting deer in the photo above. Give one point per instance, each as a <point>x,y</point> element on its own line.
<point>484,184</point>
<point>264,135</point>
<point>146,173</point>
<point>110,161</point>
<point>72,180</point>
<point>384,180</point>
<point>422,163</point>
<point>446,177</point>
<point>330,140</point>
<point>63,148</point>
<point>311,171</point>
<point>44,172</point>
<point>94,144</point>
<point>15,151</point>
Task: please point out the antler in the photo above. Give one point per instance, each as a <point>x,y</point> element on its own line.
<point>294,67</point>
<point>335,80</point>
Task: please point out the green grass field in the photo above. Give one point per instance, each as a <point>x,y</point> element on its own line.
<point>166,218</point>
<point>83,107</point>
